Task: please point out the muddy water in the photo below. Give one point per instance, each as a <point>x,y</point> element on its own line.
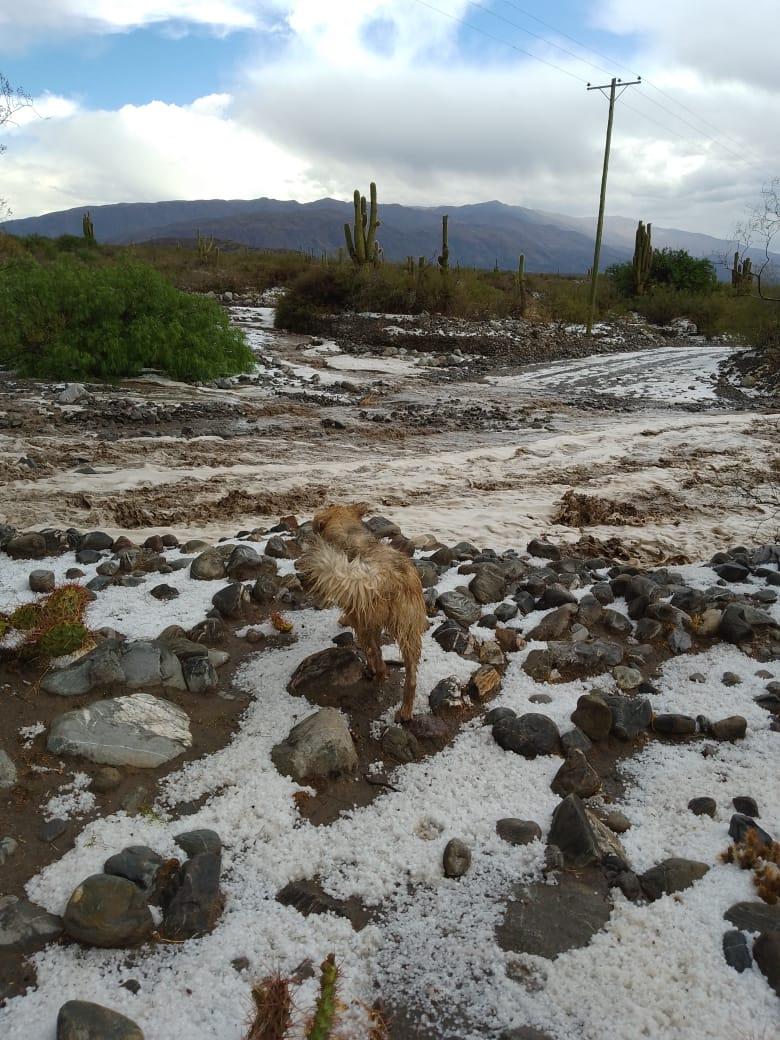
<point>488,458</point>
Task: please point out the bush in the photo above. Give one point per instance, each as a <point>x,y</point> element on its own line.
<point>672,269</point>
<point>68,320</point>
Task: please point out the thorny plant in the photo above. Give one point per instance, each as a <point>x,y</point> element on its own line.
<point>763,858</point>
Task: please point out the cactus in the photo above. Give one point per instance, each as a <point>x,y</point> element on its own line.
<point>643,258</point>
<point>362,244</point>
<point>520,283</point>
<point>327,1006</point>
<point>88,228</point>
<point>63,638</point>
<point>273,1009</point>
<point>742,274</point>
<point>206,247</point>
<point>444,259</point>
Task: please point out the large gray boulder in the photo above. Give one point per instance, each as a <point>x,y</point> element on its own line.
<point>319,746</point>
<point>137,730</point>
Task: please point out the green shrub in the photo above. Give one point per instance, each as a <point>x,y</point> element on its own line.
<point>672,269</point>
<point>70,320</point>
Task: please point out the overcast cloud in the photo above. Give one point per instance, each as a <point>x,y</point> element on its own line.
<point>370,89</point>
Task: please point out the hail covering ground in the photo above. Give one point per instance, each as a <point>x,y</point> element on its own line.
<point>654,970</point>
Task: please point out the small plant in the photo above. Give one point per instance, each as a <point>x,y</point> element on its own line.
<point>274,1005</point>
<point>54,626</point>
<point>280,623</point>
<point>63,638</point>
<point>763,858</point>
<point>325,1013</point>
<point>272,1018</point>
<point>25,618</point>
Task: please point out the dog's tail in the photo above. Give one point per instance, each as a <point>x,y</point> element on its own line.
<point>334,578</point>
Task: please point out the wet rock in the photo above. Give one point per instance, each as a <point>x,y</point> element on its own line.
<point>276,547</point>
<point>518,832</point>
<point>108,912</point>
<point>319,746</point>
<point>766,951</point>
<point>431,729</point>
<point>140,663</point>
<point>671,875</point>
<point>732,572</point>
<point>576,776</point>
<point>7,848</point>
<point>754,917</point>
<point>617,822</point>
<point>527,735</point>
<point>674,725</point>
<point>556,595</point>
<point>555,624</point>
<point>400,744</point>
<point>497,714</point>
<point>746,806</point>
<point>537,547</point>
<point>136,863</point>
<point>8,773</point>
<point>732,728</point>
<point>630,715</point>
<point>87,557</point>
<point>546,920</point>
<point>739,621</point>
<point>459,606</point>
<point>22,923</point>
<point>328,670</point>
<point>736,950</point>
<point>199,674</point>
<point>575,738</point>
<point>456,859</point>
<point>580,835</point>
<point>616,622</point>
<point>81,1020</point>
<point>627,678</point>
<point>731,679</point>
<point>53,829</point>
<point>196,842</point>
<point>703,806</point>
<point>164,593</point>
<point>506,611</point>
<point>429,573</point>
<point>232,601</point>
<point>739,825</point>
<point>27,546</point>
<point>197,902</point>
<point>454,638</point>
<point>593,716</point>
<point>41,581</point>
<point>136,730</point>
<point>97,540</point>
<point>447,693</point>
<point>679,641</point>
<point>488,584</point>
<point>484,683</point>
<point>648,629</point>
<point>246,564</point>
<point>106,779</point>
<point>308,897</point>
<point>209,566</point>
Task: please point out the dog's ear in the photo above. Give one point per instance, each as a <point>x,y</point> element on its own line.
<point>358,510</point>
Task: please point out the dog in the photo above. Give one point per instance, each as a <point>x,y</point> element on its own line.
<point>377,588</point>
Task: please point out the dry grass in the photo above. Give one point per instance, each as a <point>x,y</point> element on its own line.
<point>753,853</point>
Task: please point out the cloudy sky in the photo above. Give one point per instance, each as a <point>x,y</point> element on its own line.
<point>440,102</point>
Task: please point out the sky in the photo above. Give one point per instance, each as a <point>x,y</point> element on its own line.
<point>438,101</point>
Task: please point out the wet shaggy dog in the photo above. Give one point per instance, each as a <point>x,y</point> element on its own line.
<point>377,588</point>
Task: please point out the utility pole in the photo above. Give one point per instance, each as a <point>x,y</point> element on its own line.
<point>613,86</point>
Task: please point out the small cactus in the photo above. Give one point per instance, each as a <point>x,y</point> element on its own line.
<point>26,617</point>
<point>63,638</point>
<point>444,259</point>
<point>643,258</point>
<point>88,228</point>
<point>273,1009</point>
<point>520,283</point>
<point>742,274</point>
<point>324,1019</point>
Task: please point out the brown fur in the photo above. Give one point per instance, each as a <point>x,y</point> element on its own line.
<point>377,587</point>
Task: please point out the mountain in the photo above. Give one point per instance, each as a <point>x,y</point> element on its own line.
<point>480,235</point>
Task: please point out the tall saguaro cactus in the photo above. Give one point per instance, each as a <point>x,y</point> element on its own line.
<point>643,258</point>
<point>742,274</point>
<point>521,296</point>
<point>88,228</point>
<point>444,259</point>
<point>361,243</point>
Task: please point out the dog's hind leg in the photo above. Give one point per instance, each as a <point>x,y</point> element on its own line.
<point>368,640</point>
<point>410,651</point>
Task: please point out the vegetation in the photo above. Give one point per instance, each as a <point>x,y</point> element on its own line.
<point>362,245</point>
<point>50,627</point>
<point>673,269</point>
<point>642,263</point>
<point>71,319</point>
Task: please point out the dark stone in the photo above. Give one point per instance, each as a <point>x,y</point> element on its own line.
<point>308,897</point>
<point>556,595</point>
<point>555,624</point>
<point>137,863</point>
<point>81,1020</point>
<point>202,840</point>
<point>736,950</point>
<point>732,572</point>
<point>746,806</point>
<point>671,875</point>
<point>572,832</point>
<point>675,725</point>
<point>536,547</point>
<point>766,950</point>
<point>546,920</point>
<point>164,592</point>
<point>453,637</point>
<point>497,714</point>
<point>400,744</point>
<point>518,832</point>
<point>429,573</point>
<point>616,622</point>
<point>430,728</point>
<point>456,859</point>
<point>732,728</point>
<point>703,806</point>
<point>506,611</point>
<point>529,735</point>
<point>739,825</point>
<point>53,829</point>
<point>327,670</point>
<point>576,776</point>
<point>23,924</point>
<point>27,546</point>
<point>754,917</point>
<point>97,540</point>
<point>232,600</point>
<point>575,739</point>
<point>488,584</point>
<point>630,715</point>
<point>447,693</point>
<point>593,716</point>
<point>199,674</point>
<point>197,903</point>
<point>106,779</point>
<point>648,629</point>
<point>108,911</point>
<point>459,606</point>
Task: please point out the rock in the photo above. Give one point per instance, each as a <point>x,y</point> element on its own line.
<point>732,572</point>
<point>136,730</point>
<point>518,832</point>
<point>674,725</point>
<point>400,744</point>
<point>709,622</point>
<point>140,662</point>
<point>627,678</point>
<point>630,715</point>
<point>575,658</point>
<point>736,950</point>
<point>746,806</point>
<point>766,951</point>
<point>41,581</point>
<point>575,738</point>
<point>506,611</point>
<point>88,557</point>
<point>593,716</point>
<point>490,653</point>
<point>671,875</point>
<point>447,693</point>
<point>546,920</point>
<point>537,547</point>
<point>199,674</point>
<point>679,641</point>
<point>739,825</point>
<point>233,600</point>
<point>429,573</point>
<point>246,564</point>
<point>197,902</point>
<point>53,829</point>
<point>209,566</point>
<point>196,842</point>
<point>703,806</point>
<point>454,638</point>
<point>529,735</point>
<point>80,1020</point>
<point>102,666</point>
<point>8,773</point>
<point>540,698</point>
<point>319,746</point>
<point>456,859</point>
<point>554,624</point>
<point>23,923</point>
<point>754,917</point>
<point>739,621</point>
<point>105,779</point>
<point>580,835</point>
<point>108,912</point>
<point>136,863</point>
<point>308,897</point>
<point>7,848</point>
<point>327,670</point>
<point>617,822</point>
<point>276,548</point>
<point>164,593</point>
<point>459,606</point>
<point>430,728</point>
<point>497,714</point>
<point>27,546</point>
<point>488,584</point>
<point>732,728</point>
<point>484,683</point>
<point>731,679</point>
<point>576,776</point>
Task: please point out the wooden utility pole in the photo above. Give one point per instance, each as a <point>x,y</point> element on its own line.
<point>613,85</point>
